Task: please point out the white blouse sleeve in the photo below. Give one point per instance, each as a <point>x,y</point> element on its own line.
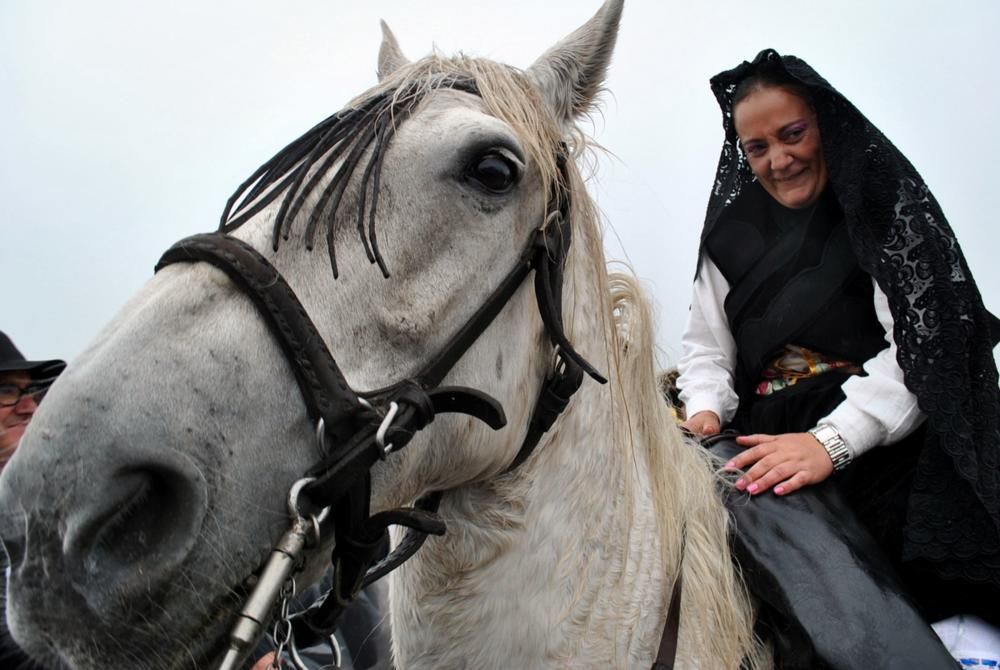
<point>878,409</point>
<point>709,352</point>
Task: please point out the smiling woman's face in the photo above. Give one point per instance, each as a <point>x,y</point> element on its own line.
<point>780,138</point>
<point>14,418</point>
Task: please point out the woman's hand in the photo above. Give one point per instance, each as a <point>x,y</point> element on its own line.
<point>787,462</point>
<point>703,423</point>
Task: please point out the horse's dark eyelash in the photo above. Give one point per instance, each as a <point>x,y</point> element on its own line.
<point>492,146</point>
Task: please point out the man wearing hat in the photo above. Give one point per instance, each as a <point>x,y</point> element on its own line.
<point>22,385</point>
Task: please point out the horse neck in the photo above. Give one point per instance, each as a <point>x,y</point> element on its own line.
<point>556,563</point>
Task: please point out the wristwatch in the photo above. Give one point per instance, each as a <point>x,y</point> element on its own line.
<point>834,445</point>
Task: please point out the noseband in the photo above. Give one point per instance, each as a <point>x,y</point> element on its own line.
<point>357,430</point>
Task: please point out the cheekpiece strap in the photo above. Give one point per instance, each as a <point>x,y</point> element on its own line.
<point>551,247</point>
<point>564,380</point>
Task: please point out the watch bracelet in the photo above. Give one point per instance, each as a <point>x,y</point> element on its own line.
<point>834,445</point>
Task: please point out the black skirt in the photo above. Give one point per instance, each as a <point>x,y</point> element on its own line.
<point>876,487</point>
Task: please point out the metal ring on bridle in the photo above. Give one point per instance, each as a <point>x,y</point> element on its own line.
<point>293,503</point>
<point>295,490</point>
<point>384,428</point>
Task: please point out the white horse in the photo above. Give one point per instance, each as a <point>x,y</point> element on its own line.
<point>151,486</point>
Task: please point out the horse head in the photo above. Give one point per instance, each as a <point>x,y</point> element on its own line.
<point>152,485</point>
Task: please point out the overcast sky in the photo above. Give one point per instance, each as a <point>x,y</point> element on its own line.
<point>126,125</point>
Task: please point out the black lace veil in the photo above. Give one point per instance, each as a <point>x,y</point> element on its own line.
<point>944,333</point>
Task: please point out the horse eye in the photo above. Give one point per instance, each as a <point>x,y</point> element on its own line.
<point>494,172</point>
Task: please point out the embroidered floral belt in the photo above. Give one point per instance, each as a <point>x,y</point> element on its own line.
<point>796,363</point>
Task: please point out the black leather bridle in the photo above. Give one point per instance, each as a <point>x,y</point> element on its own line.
<point>356,429</point>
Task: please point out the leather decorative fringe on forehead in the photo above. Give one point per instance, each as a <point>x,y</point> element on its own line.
<point>297,171</point>
<point>944,333</point>
<point>302,169</point>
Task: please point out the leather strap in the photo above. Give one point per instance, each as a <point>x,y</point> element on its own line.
<point>667,654</point>
<point>551,247</point>
<point>564,380</point>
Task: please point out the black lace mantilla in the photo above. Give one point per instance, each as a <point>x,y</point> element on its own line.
<point>943,331</point>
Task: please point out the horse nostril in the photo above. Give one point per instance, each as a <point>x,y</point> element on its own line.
<point>144,525</point>
<point>139,524</point>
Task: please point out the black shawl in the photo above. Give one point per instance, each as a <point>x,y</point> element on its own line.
<point>944,333</point>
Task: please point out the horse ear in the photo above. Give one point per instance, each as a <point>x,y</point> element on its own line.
<point>390,56</point>
<point>571,73</point>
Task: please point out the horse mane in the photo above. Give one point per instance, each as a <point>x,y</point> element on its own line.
<point>686,484</point>
<point>685,480</point>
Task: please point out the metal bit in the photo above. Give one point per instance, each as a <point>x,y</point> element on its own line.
<point>284,560</point>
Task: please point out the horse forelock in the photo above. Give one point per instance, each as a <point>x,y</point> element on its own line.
<point>322,161</point>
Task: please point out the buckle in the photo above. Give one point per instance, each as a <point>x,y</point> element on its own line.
<point>384,428</point>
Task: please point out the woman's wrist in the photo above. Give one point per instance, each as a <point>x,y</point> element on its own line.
<point>835,446</point>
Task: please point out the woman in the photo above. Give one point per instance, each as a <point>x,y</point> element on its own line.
<point>836,325</point>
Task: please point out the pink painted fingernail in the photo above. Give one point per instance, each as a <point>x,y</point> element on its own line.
<point>731,465</point>
<point>753,488</point>
<point>779,489</point>
<point>740,484</point>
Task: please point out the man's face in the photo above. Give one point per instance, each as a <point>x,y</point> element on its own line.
<point>14,418</point>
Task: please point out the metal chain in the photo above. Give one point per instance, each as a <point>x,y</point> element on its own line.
<point>282,632</point>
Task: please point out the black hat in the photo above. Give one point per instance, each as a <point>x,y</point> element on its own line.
<point>11,360</point>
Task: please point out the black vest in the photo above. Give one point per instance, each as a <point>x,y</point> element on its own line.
<point>793,280</point>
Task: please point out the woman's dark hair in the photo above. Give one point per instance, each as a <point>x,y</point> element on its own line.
<point>770,74</point>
